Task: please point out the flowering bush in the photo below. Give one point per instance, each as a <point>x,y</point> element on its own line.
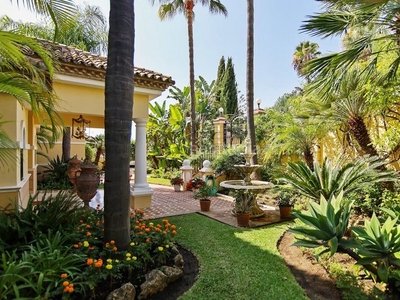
<point>106,266</point>
<point>66,257</point>
<point>195,183</point>
<point>176,181</point>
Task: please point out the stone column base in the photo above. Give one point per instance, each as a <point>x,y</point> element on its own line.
<point>141,197</point>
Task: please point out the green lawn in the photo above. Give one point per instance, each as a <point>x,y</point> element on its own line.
<point>236,263</point>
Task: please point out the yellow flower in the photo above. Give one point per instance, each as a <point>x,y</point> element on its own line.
<point>128,254</point>
<point>117,260</point>
<point>108,267</point>
<point>160,248</point>
<point>128,258</point>
<point>85,244</point>
<point>109,260</point>
<point>132,244</point>
<point>166,246</point>
<point>151,224</point>
<point>134,257</point>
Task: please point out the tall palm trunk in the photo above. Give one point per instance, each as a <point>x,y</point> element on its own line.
<point>118,120</point>
<point>309,158</point>
<point>250,78</point>
<point>66,144</point>
<point>189,4</point>
<point>360,133</point>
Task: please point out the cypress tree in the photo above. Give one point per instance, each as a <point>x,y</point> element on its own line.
<point>219,80</point>
<point>229,90</point>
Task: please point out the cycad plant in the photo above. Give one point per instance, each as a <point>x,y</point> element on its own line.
<point>330,179</point>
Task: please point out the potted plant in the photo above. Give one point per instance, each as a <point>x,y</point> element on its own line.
<point>285,201</point>
<point>195,183</point>
<point>203,193</point>
<point>244,202</point>
<point>177,182</point>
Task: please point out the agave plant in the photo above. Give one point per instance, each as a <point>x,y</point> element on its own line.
<point>327,224</point>
<point>379,244</point>
<point>330,179</point>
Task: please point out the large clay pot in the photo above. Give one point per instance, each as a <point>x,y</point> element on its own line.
<point>177,188</point>
<point>205,204</point>
<point>73,166</point>
<point>243,219</point>
<point>285,211</point>
<point>87,181</point>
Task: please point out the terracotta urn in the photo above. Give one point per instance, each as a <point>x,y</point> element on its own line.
<point>87,180</point>
<point>73,166</point>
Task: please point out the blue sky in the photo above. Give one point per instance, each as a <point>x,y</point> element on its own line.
<point>163,46</point>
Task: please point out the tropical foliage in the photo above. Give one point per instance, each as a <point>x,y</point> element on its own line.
<point>54,249</point>
<point>329,179</point>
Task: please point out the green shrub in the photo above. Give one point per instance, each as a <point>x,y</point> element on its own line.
<point>226,161</point>
<point>55,247</point>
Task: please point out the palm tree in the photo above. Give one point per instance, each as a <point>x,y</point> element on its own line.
<point>304,52</point>
<point>250,79</point>
<point>28,80</point>
<point>87,30</point>
<point>118,119</point>
<point>97,142</point>
<point>376,24</point>
<point>168,9</point>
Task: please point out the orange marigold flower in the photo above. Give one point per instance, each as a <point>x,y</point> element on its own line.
<point>88,234</point>
<point>158,229</point>
<point>147,230</point>
<point>66,289</point>
<point>112,242</point>
<point>98,224</point>
<point>173,227</point>
<point>107,245</point>
<point>89,261</point>
<point>99,263</point>
<point>147,240</point>
<point>80,243</point>
<point>164,232</point>
<point>81,221</point>
<point>65,283</point>
<point>137,222</point>
<point>165,221</point>
<point>64,275</point>
<point>174,232</point>
<point>139,233</point>
<point>70,289</point>
<point>91,248</point>
<point>87,226</point>
<point>76,246</point>
<point>115,249</point>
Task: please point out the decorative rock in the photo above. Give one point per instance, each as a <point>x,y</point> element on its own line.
<point>125,292</point>
<point>178,261</point>
<point>155,282</point>
<point>173,273</point>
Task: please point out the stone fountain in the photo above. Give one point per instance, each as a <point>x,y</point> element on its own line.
<point>253,186</point>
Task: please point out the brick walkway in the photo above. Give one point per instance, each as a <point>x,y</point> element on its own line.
<point>166,202</point>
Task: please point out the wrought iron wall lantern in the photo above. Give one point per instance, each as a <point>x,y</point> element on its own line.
<point>79,127</point>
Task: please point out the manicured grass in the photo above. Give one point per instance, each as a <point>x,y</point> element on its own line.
<point>236,263</point>
<point>161,181</point>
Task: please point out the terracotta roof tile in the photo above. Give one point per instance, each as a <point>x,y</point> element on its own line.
<point>85,64</point>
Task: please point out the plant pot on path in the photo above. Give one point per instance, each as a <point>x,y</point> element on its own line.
<point>285,211</point>
<point>205,204</point>
<point>243,219</point>
<point>177,188</point>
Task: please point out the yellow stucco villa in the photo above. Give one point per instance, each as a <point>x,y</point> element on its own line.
<point>79,84</point>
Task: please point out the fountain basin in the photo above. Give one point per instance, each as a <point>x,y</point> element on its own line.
<point>240,185</point>
<point>255,187</point>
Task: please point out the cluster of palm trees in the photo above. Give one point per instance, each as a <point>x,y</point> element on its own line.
<point>349,98</point>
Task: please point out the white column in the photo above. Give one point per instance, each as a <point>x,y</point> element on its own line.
<point>140,185</point>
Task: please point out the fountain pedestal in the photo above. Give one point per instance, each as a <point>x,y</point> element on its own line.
<point>248,185</point>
